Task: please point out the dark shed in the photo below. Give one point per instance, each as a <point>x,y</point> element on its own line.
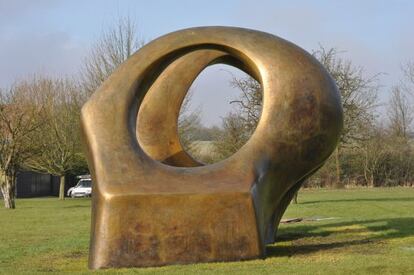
<point>31,184</point>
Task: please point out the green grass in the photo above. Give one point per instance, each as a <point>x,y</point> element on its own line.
<point>371,231</point>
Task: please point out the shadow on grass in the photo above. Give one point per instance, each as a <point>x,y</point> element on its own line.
<point>295,250</point>
<point>379,230</point>
<point>403,199</point>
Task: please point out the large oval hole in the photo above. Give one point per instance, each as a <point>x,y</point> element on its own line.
<point>219,113</point>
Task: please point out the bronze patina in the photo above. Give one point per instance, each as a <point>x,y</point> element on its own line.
<point>153,204</point>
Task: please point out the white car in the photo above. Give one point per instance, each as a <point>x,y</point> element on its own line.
<point>82,189</point>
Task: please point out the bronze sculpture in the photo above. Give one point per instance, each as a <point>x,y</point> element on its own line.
<point>155,205</point>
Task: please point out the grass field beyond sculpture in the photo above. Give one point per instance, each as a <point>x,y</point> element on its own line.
<point>344,231</point>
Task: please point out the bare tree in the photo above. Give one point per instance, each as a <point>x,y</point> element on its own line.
<point>400,113</point>
<point>189,122</point>
<point>233,136</point>
<point>408,70</point>
<point>58,137</point>
<point>239,125</point>
<point>115,45</point>
<point>249,103</point>
<point>358,93</point>
<point>359,98</point>
<point>19,119</point>
<point>373,155</point>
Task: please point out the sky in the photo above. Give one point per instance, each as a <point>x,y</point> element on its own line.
<point>54,36</point>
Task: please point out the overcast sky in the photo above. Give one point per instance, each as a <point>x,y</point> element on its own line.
<point>52,37</point>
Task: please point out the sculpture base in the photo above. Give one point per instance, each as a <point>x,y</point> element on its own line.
<point>163,229</point>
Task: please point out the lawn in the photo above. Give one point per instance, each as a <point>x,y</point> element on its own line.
<point>344,232</point>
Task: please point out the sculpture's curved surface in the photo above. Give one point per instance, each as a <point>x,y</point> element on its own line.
<point>155,205</point>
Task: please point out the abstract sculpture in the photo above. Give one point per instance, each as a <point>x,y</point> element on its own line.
<point>152,203</point>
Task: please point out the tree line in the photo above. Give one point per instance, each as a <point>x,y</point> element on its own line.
<point>40,131</point>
